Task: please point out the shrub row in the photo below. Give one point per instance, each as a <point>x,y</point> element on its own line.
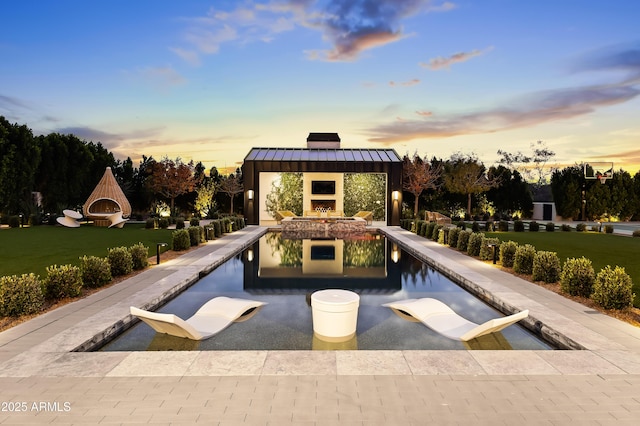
<point>26,294</point>
<point>611,288</point>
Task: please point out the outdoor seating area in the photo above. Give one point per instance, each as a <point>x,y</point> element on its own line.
<point>107,205</point>
<point>439,218</point>
<point>70,219</point>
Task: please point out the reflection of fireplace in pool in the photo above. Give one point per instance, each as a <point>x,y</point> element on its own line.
<point>323,205</point>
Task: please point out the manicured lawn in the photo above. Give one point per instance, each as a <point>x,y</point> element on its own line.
<point>602,249</point>
<point>32,249</point>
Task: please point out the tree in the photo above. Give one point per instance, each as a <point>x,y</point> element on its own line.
<point>419,175</point>
<point>205,202</point>
<point>521,162</point>
<point>285,194</point>
<point>19,159</point>
<point>567,186</point>
<point>466,175</point>
<point>511,194</point>
<point>171,178</point>
<point>231,186</point>
<point>364,191</point>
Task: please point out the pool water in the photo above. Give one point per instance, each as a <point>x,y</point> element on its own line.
<point>284,273</point>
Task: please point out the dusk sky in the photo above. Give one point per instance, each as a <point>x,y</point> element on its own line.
<point>209,80</point>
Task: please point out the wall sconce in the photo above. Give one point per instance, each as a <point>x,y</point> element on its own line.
<point>250,194</point>
<point>395,195</point>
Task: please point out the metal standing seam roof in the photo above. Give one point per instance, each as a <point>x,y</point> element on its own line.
<point>323,154</point>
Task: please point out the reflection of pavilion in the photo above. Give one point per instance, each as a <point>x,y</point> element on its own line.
<point>316,264</point>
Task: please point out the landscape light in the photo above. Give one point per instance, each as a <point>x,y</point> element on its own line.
<point>158,251</point>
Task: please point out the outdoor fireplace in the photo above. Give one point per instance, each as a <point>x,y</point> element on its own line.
<point>323,205</point>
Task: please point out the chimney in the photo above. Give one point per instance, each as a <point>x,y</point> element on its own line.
<point>323,140</point>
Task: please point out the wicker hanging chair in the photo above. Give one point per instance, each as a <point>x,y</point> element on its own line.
<point>107,200</point>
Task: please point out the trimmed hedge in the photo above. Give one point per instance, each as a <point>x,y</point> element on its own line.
<point>475,242</point>
<point>508,253</point>
<point>120,261</point>
<point>196,235</point>
<point>612,288</point>
<point>62,281</point>
<point>139,256</point>
<point>96,271</point>
<point>453,236</point>
<point>518,226</point>
<point>20,295</point>
<point>523,260</point>
<point>463,240</point>
<point>180,240</point>
<point>534,226</point>
<point>546,267</point>
<point>577,277</point>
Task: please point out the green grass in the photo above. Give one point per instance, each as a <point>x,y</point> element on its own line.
<point>32,249</point>
<point>601,249</point>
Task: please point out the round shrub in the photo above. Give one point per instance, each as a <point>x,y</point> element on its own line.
<point>475,242</point>
<point>180,240</point>
<point>120,261</point>
<point>612,288</point>
<point>475,226</point>
<point>546,267</point>
<point>636,233</point>
<point>14,221</point>
<point>565,227</point>
<point>179,223</point>
<point>608,229</point>
<point>428,229</point>
<point>62,281</point>
<point>523,259</point>
<point>518,226</point>
<point>463,240</point>
<point>453,236</point>
<point>95,271</point>
<point>487,248</point>
<point>194,221</point>
<point>139,256</point>
<point>550,227</point>
<point>217,225</point>
<point>581,227</point>
<point>195,235</point>
<point>435,232</point>
<point>163,223</point>
<point>508,253</point>
<point>503,226</point>
<point>534,226</point>
<point>150,223</point>
<point>20,295</point>
<point>577,277</point>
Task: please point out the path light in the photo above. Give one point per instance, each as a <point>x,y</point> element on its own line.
<point>158,251</point>
<point>495,251</point>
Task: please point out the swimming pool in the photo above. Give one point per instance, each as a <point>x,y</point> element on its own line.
<point>285,272</point>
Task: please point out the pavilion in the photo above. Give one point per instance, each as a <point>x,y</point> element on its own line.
<point>323,164</point>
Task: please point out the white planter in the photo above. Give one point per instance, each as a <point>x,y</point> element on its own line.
<point>335,314</point>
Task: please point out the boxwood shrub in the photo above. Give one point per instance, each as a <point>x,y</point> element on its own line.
<point>534,226</point>
<point>486,251</point>
<point>196,235</point>
<point>523,259</point>
<point>475,242</point>
<point>139,256</point>
<point>546,267</point>
<point>95,271</point>
<point>180,240</point>
<point>503,226</point>
<point>475,226</point>
<point>62,281</point>
<point>608,229</point>
<point>20,295</point>
<point>518,226</point>
<point>194,221</point>
<point>180,223</point>
<point>163,223</point>
<point>463,240</point>
<point>577,277</point>
<point>612,288</point>
<point>566,227</point>
<point>453,236</point>
<point>508,253</point>
<point>581,227</point>
<point>435,232</point>
<point>150,223</point>
<point>120,261</point>
<point>550,227</point>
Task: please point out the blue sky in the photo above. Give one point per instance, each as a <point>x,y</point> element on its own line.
<point>208,80</point>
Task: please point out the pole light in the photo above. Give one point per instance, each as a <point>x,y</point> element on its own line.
<point>158,251</point>
<point>495,251</point>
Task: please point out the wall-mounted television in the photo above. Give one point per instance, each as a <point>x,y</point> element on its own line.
<point>323,187</point>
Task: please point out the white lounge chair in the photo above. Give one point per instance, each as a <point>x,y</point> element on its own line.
<point>442,319</point>
<point>213,317</point>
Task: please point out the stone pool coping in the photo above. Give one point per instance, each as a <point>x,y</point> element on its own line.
<point>45,346</point>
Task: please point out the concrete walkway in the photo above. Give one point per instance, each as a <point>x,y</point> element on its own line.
<point>43,381</point>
